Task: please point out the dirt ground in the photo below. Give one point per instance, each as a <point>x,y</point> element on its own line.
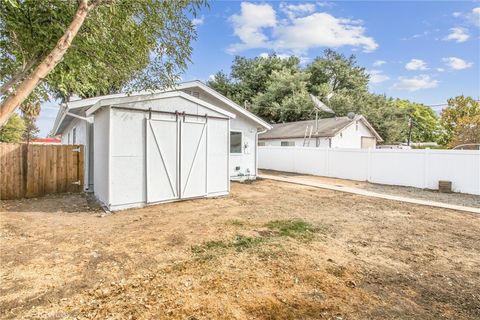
<point>461,199</point>
<point>269,250</point>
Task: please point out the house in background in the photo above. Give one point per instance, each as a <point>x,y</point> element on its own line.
<point>147,148</point>
<point>338,132</point>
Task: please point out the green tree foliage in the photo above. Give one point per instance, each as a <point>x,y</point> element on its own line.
<point>467,131</point>
<point>285,97</point>
<point>250,76</point>
<point>460,109</point>
<point>423,118</point>
<point>123,44</point>
<point>338,71</point>
<point>278,90</point>
<point>31,129</point>
<point>13,130</point>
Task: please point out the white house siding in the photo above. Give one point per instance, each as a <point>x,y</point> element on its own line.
<point>101,154</point>
<point>243,164</point>
<point>323,142</point>
<point>349,137</point>
<point>127,147</point>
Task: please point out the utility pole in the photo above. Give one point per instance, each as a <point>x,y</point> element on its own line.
<point>409,131</point>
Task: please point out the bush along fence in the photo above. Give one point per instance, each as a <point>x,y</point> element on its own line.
<point>414,168</point>
<point>28,170</point>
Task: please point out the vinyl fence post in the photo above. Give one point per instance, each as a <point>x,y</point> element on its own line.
<point>426,164</point>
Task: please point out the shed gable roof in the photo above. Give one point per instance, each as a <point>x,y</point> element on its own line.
<point>81,106</point>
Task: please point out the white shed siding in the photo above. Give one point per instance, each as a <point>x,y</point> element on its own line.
<point>127,145</point>
<point>101,154</point>
<point>243,164</point>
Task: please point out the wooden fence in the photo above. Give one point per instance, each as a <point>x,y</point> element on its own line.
<point>29,170</point>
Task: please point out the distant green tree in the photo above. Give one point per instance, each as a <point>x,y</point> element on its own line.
<point>13,130</point>
<point>458,108</point>
<point>338,71</point>
<point>31,128</point>
<point>425,126</point>
<point>467,131</point>
<point>285,97</point>
<point>249,76</point>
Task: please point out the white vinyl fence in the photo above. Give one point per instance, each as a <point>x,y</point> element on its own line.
<point>415,168</point>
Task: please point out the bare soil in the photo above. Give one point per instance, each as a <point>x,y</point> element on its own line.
<point>351,257</point>
<point>461,199</point>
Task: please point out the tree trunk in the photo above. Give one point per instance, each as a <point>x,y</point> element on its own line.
<point>8,107</point>
<point>20,75</point>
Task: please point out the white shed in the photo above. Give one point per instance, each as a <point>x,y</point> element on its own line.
<point>147,148</point>
<point>165,148</point>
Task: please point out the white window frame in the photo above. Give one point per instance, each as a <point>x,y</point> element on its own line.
<point>241,143</point>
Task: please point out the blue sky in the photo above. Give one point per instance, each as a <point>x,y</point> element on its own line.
<point>424,51</point>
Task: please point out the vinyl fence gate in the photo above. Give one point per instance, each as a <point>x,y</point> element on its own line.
<point>177,158</point>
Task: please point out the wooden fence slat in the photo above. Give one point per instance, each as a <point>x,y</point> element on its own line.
<point>33,170</point>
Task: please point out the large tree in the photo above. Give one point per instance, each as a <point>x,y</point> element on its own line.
<point>460,107</point>
<point>338,71</point>
<point>250,76</point>
<point>423,120</point>
<point>91,47</point>
<point>285,97</point>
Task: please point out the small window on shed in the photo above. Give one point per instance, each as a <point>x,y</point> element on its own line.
<point>235,142</point>
<point>287,143</point>
<point>74,136</point>
<point>261,143</point>
<point>196,94</point>
<point>356,125</point>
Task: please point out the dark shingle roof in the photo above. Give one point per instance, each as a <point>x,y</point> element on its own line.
<point>326,128</point>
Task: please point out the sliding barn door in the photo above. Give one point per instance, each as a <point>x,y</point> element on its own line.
<point>162,156</point>
<point>193,176</point>
<point>186,157</point>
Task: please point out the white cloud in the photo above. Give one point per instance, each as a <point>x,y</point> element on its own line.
<point>415,83</point>
<point>458,35</point>
<point>379,63</point>
<point>474,16</point>
<point>297,34</point>
<point>249,23</point>
<point>377,76</point>
<point>322,30</point>
<point>457,63</point>
<point>295,10</point>
<point>416,64</point>
<point>456,14</point>
<point>440,69</point>
<point>198,21</point>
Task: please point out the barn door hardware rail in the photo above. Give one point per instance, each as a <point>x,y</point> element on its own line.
<point>184,114</point>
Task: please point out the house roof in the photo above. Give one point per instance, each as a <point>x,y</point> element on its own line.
<point>327,127</point>
<point>80,107</point>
